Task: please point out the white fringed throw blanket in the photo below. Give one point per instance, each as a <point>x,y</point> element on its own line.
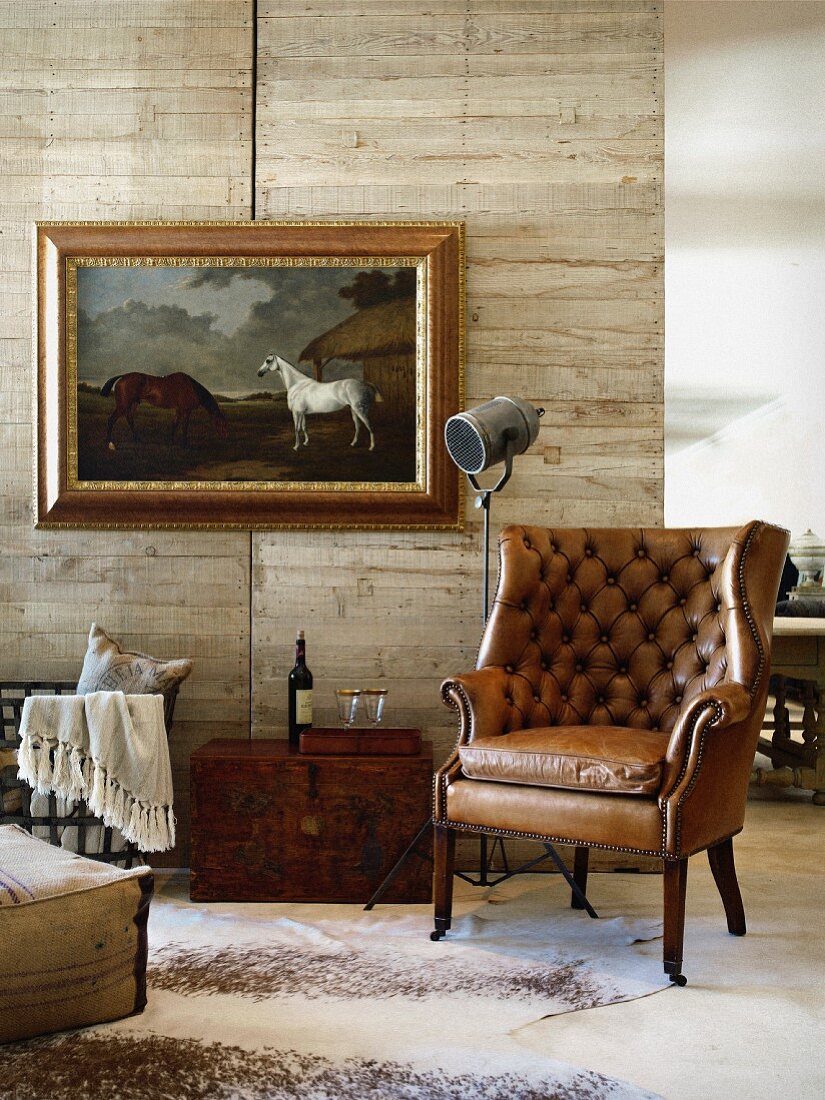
<point>109,749</point>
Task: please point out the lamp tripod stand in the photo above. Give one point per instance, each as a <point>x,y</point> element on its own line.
<point>483,501</point>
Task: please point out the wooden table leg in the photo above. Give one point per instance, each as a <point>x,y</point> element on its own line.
<point>818,746</point>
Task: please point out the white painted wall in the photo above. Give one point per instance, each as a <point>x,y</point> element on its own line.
<point>745,263</point>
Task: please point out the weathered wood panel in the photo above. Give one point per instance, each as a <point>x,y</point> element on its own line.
<point>163,50</point>
<point>598,204</point>
<point>572,71</point>
<point>540,124</point>
<point>288,9</point>
<point>470,32</point>
<point>104,17</point>
<point>119,110</point>
<point>573,161</point>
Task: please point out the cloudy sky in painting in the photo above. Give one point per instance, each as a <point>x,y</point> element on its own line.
<point>217,324</point>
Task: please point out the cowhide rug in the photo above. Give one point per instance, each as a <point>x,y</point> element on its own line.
<point>330,1003</point>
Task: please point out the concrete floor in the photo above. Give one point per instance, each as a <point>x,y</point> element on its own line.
<point>751,1021</point>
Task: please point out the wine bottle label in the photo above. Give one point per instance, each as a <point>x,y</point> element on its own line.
<point>303,707</point>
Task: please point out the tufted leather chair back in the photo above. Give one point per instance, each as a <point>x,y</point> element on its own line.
<point>623,627</point>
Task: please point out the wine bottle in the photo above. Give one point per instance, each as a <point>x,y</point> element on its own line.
<point>299,684</point>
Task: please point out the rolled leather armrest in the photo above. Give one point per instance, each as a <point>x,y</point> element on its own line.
<point>720,707</point>
<point>480,698</point>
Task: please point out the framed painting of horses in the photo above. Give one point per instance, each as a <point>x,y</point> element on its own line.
<point>248,375</point>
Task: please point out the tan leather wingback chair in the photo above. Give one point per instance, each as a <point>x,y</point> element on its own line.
<point>616,703</point>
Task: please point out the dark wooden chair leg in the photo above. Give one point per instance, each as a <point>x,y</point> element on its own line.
<point>580,861</point>
<point>720,858</point>
<point>443,860</point>
<point>675,888</point>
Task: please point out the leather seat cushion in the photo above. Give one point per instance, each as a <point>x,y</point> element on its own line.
<point>608,759</point>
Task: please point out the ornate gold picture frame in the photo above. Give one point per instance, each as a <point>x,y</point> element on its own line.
<point>248,375</point>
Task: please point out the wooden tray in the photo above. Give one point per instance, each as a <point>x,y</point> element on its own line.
<point>360,742</point>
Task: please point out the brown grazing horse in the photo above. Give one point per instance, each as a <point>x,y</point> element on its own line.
<point>176,391</point>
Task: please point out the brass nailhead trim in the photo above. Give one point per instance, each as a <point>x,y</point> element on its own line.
<point>557,839</point>
<point>751,623</point>
<point>747,608</point>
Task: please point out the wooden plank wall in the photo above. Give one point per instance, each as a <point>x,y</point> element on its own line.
<point>539,122</point>
<point>119,109</point>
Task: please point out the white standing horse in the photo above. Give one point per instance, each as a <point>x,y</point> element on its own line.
<point>305,395</point>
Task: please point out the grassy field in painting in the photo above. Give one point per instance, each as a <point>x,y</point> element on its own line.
<point>259,446</point>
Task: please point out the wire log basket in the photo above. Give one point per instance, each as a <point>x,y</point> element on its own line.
<point>16,795</point>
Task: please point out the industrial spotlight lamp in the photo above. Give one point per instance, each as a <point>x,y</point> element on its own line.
<point>491,433</point>
<point>482,437</point>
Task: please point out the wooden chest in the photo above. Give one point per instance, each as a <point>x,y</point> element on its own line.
<point>271,824</point>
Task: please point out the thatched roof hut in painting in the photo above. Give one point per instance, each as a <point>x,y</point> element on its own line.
<point>382,338</point>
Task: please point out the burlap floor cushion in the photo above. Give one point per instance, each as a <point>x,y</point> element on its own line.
<point>72,938</point>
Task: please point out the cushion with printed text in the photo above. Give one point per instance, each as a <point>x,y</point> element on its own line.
<point>107,667</point>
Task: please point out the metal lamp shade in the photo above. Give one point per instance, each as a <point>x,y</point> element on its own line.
<point>482,436</point>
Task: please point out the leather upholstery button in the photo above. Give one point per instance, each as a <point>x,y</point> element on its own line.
<point>584,607</point>
<point>643,702</point>
<point>509,668</point>
<point>537,698</point>
<point>651,637</point>
<point>553,547</point>
<point>669,664</point>
<point>677,699</point>
<point>599,698</point>
<point>565,638</point>
<point>564,698</point>
<point>603,638</point>
<point>588,553</point>
<point>640,554</point>
<point>579,668</point>
<point>623,670</point>
<point>718,608</point>
<point>533,635</point>
<point>543,665</point>
<point>611,580</point>
<point>664,578</point>
<point>682,602</point>
<point>527,543</point>
<point>694,637</point>
<point>523,605</point>
<point>569,578</point>
<point>696,552</point>
<point>633,607</point>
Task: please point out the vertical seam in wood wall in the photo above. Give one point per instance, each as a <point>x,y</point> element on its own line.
<point>253,105</point>
<point>251,626</point>
<point>468,12</point>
